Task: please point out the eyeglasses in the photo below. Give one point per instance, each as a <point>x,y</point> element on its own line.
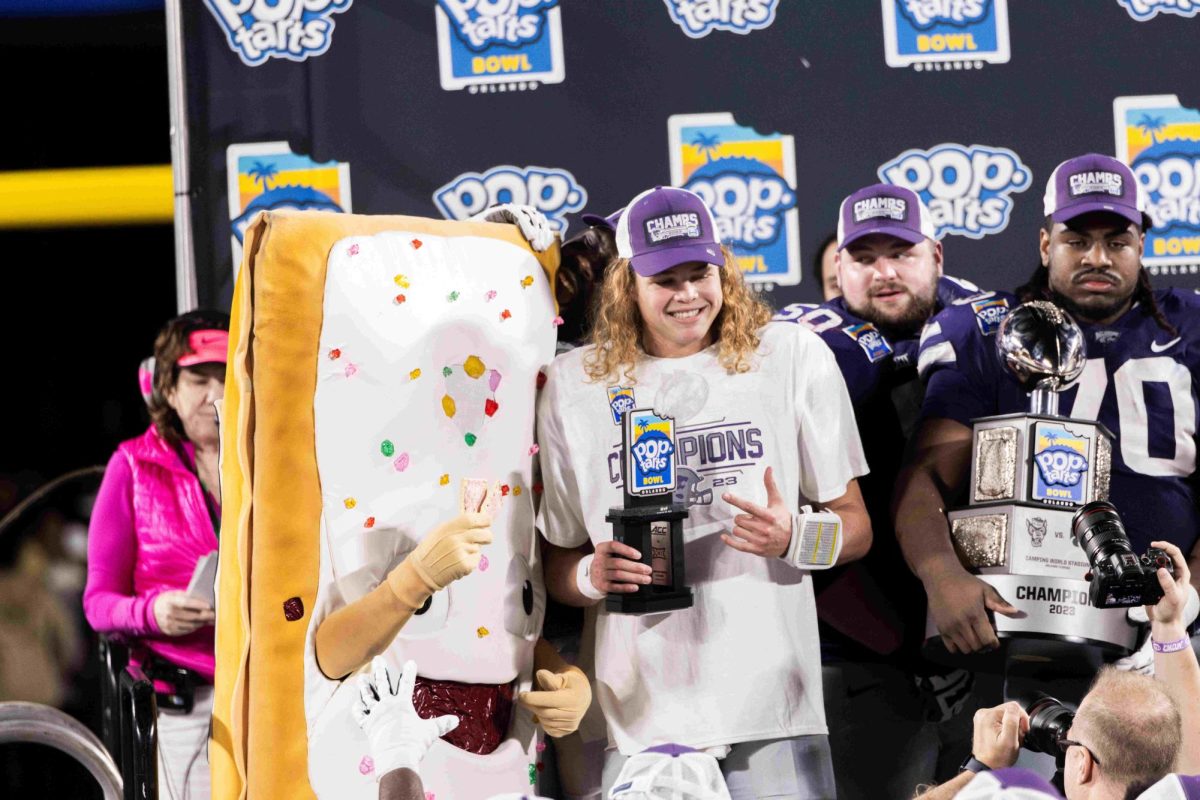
<point>1066,744</point>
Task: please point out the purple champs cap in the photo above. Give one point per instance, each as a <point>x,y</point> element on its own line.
<point>597,221</point>
<point>1093,183</point>
<point>664,227</point>
<point>884,208</point>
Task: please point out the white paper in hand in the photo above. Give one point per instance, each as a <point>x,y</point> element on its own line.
<point>204,579</point>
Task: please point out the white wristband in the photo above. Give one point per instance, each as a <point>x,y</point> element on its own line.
<point>583,581</point>
<point>816,540</point>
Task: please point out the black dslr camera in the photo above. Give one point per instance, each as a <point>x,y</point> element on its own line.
<point>1119,578</point>
<point>1049,721</point>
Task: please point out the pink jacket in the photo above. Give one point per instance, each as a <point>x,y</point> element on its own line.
<point>149,527</point>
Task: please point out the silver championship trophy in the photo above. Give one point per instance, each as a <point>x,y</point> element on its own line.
<point>1029,474</point>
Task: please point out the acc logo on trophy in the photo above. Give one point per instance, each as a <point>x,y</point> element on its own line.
<point>651,446</point>
<point>291,29</point>
<point>620,400</point>
<point>554,192</point>
<point>1142,10</point>
<point>699,18</point>
<point>873,343</point>
<point>1061,459</point>
<point>967,189</point>
<point>748,180</point>
<point>945,34</point>
<point>1160,141</point>
<point>499,45</point>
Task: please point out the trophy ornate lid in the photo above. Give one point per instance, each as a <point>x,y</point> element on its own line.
<point>1042,346</point>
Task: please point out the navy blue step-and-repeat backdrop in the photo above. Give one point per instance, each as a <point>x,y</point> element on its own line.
<point>772,110</point>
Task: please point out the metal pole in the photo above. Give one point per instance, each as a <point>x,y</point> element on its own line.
<point>186,295</point>
<point>34,722</point>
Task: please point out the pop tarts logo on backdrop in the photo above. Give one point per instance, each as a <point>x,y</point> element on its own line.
<point>267,175</point>
<point>699,18</point>
<point>748,181</point>
<point>945,34</point>
<point>1160,141</point>
<point>966,188</point>
<point>291,29</point>
<point>554,192</point>
<point>1142,10</point>
<point>499,45</point>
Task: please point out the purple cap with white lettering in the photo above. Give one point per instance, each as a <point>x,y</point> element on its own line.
<point>1093,183</point>
<point>887,209</point>
<point>1011,783</point>
<point>664,227</point>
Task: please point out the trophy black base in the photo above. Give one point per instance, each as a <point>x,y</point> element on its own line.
<point>650,603</point>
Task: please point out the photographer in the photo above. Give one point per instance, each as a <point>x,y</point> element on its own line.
<point>1130,730</point>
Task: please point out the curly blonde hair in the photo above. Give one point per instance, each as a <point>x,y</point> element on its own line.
<point>617,331</point>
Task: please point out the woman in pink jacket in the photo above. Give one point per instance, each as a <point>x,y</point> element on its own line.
<point>158,513</point>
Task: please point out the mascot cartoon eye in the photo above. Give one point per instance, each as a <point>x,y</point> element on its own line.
<point>430,618</point>
<point>524,599</point>
<point>424,606</point>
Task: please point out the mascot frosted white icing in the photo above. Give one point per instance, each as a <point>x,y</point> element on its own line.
<point>380,473</point>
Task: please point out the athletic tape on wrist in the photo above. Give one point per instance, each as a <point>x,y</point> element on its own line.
<point>816,540</point>
<point>583,580</point>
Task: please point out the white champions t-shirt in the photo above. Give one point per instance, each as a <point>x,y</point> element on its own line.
<point>743,663</point>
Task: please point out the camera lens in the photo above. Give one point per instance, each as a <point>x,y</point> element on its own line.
<point>1049,721</point>
<point>1098,529</point>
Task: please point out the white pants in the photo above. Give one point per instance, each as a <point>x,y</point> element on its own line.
<point>183,750</point>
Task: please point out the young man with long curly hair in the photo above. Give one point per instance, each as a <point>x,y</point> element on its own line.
<point>763,428</point>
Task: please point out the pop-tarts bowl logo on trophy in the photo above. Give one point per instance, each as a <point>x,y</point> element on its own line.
<point>967,188</point>
<point>499,45</point>
<point>1061,458</point>
<point>620,400</point>
<point>1142,10</point>
<point>945,34</point>
<point>873,343</point>
<point>748,181</point>
<point>291,29</point>
<point>989,313</point>
<point>1160,141</point>
<point>699,18</point>
<point>554,192</point>
<point>651,447</point>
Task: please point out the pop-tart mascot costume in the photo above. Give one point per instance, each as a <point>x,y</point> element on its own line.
<point>378,478</point>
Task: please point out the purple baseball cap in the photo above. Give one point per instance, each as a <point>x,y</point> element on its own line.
<point>1011,783</point>
<point>664,227</point>
<point>1093,183</point>
<point>597,221</point>
<point>884,208</point>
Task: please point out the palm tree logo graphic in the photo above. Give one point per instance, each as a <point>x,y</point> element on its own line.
<point>708,145</point>
<point>1151,126</point>
<point>262,172</point>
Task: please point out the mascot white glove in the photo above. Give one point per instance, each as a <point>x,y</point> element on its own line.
<point>533,224</point>
<point>397,736</point>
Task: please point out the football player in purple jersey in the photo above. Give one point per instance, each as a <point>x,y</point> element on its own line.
<point>880,696</point>
<point>1143,349</point>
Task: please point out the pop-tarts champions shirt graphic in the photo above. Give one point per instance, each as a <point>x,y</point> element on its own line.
<point>291,29</point>
<point>945,34</point>
<point>1160,141</point>
<point>267,175</point>
<point>1142,10</point>
<point>499,45</point>
<point>554,192</point>
<point>967,189</point>
<point>699,18</point>
<point>748,181</point>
